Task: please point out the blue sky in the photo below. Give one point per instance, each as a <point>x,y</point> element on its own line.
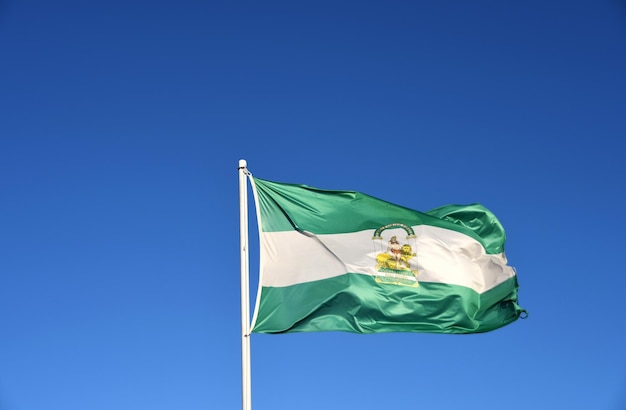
<point>121,127</point>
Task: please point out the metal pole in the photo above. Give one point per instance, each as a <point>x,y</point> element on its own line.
<point>245,288</point>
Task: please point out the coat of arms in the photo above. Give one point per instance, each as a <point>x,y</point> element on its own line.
<point>394,259</point>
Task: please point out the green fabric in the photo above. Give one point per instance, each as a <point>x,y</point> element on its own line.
<point>358,303</point>
<point>355,303</point>
<point>285,207</point>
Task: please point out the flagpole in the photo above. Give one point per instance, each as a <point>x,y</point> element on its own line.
<point>245,288</point>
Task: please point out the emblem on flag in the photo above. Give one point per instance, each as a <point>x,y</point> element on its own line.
<point>395,262</point>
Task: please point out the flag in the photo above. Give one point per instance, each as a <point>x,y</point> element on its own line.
<point>335,260</point>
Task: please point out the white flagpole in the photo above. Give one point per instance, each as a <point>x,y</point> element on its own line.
<point>245,288</point>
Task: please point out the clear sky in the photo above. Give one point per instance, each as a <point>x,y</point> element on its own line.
<point>121,127</point>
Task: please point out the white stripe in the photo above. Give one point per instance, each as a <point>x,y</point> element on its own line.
<point>442,256</point>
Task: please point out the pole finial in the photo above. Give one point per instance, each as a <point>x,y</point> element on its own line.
<point>242,163</point>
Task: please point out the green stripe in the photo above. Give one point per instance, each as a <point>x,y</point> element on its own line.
<point>356,303</point>
<point>285,207</point>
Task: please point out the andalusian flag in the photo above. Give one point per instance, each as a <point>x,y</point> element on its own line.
<point>346,261</point>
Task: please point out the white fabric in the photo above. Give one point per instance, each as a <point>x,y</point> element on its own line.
<point>442,256</point>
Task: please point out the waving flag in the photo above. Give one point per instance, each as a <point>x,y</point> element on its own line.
<point>346,261</point>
